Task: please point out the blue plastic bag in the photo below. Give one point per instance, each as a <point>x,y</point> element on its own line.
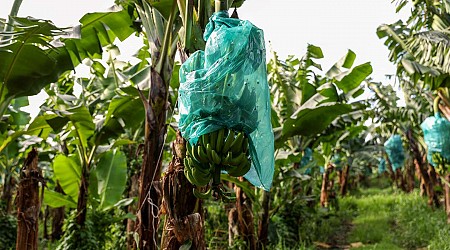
<point>226,86</point>
<point>436,133</point>
<point>394,150</point>
<point>307,157</point>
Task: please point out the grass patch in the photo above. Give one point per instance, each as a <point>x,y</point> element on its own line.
<point>373,220</point>
<point>390,219</point>
<point>417,225</point>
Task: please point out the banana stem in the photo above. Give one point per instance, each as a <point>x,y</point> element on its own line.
<point>221,5</point>
<point>436,104</point>
<point>216,175</point>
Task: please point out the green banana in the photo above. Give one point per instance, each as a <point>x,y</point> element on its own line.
<point>226,160</point>
<point>228,142</point>
<point>220,140</point>
<point>223,149</point>
<point>189,176</point>
<point>239,170</point>
<point>205,139</point>
<point>216,157</point>
<point>209,152</point>
<point>201,195</point>
<point>192,152</point>
<point>188,148</point>
<point>238,159</point>
<point>201,178</point>
<point>213,139</point>
<point>202,156</point>
<point>245,145</point>
<point>204,168</point>
<point>236,146</point>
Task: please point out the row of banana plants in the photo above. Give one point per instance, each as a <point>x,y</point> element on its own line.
<point>104,140</point>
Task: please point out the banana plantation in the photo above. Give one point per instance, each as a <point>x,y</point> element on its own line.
<point>205,139</point>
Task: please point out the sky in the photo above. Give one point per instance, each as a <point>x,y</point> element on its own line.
<point>289,25</point>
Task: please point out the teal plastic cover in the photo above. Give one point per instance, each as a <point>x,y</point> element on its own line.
<point>381,165</point>
<point>337,161</point>
<point>307,157</point>
<point>436,133</point>
<point>226,86</point>
<point>394,150</point>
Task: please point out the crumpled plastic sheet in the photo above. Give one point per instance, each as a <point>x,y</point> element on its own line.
<point>226,86</point>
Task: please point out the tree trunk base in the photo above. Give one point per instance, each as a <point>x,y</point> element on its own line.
<point>29,204</point>
<point>184,220</point>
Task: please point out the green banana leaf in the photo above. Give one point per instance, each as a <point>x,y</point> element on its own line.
<point>354,78</point>
<point>55,199</point>
<point>111,174</point>
<point>38,127</point>
<point>83,123</point>
<point>98,30</point>
<point>308,121</point>
<point>28,61</point>
<point>67,171</point>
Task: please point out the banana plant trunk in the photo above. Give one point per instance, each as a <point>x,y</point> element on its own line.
<point>390,170</point>
<point>429,188</point>
<point>344,180</point>
<point>410,177</point>
<point>419,161</point>
<point>434,177</point>
<point>57,215</point>
<point>422,185</point>
<point>324,191</point>
<point>83,197</point>
<point>240,219</point>
<point>7,193</point>
<point>29,203</point>
<point>133,192</point>
<point>263,225</point>
<point>184,218</point>
<point>447,197</point>
<point>149,190</point>
<point>400,180</point>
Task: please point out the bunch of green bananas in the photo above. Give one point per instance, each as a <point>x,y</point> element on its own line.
<point>220,150</point>
<point>442,164</point>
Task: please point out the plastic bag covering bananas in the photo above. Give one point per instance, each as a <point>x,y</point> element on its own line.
<point>225,86</point>
<point>214,152</point>
<point>394,150</point>
<point>436,134</point>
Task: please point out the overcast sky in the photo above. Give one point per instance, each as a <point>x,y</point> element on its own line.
<point>333,25</point>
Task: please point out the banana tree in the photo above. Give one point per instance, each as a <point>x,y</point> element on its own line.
<point>405,120</point>
<point>305,103</point>
<point>166,23</point>
<point>91,170</point>
<point>53,50</point>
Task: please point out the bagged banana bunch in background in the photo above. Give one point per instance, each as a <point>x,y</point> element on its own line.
<point>394,150</point>
<point>436,133</point>
<point>224,105</point>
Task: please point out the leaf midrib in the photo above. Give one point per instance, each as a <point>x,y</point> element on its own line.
<point>16,55</point>
<point>107,179</point>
